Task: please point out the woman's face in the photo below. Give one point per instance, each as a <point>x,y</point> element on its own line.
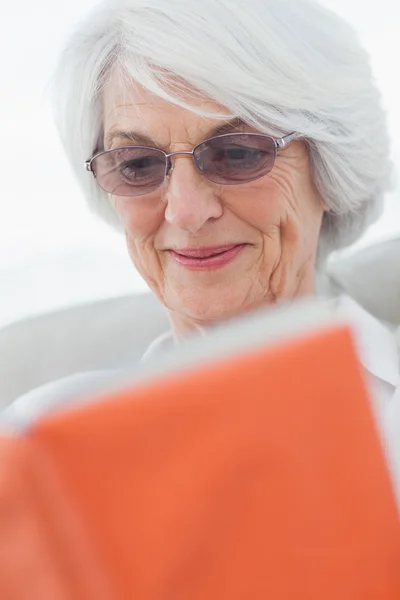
<point>269,227</point>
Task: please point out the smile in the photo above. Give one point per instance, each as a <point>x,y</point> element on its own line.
<point>206,258</point>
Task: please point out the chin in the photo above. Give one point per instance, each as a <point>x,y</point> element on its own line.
<point>211,305</point>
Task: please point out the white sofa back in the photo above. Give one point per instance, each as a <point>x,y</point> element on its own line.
<point>94,336</point>
<point>372,277</point>
<point>108,333</point>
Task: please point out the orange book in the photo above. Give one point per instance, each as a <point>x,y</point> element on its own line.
<point>257,475</point>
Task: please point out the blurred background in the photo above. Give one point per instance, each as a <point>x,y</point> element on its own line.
<point>53,251</point>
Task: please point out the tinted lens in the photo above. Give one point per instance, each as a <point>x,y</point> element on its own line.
<point>130,171</point>
<point>236,158</point>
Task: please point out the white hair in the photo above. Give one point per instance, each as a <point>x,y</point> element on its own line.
<point>280,65</point>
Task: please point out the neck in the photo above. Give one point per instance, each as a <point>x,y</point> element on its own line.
<point>184,326</point>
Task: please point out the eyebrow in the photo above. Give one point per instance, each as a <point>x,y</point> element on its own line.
<point>142,139</point>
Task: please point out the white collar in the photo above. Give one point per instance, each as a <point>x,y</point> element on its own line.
<point>377,346</point>
<point>162,343</point>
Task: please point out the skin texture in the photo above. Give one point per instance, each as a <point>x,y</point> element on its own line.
<point>278,217</point>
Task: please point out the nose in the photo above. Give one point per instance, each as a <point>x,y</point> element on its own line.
<point>191,199</point>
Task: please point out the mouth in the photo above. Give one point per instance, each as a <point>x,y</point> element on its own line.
<point>206,257</point>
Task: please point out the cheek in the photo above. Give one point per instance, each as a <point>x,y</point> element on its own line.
<point>140,218</point>
<point>260,204</point>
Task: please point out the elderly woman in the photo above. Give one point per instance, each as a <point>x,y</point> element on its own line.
<point>236,144</point>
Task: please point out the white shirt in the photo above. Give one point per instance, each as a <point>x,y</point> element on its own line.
<point>379,352</point>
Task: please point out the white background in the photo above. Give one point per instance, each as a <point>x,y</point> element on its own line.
<point>53,252</point>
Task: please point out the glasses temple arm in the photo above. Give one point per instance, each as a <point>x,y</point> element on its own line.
<point>287,139</point>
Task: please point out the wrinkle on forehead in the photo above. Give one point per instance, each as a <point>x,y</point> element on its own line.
<point>164,122</point>
<point>123,90</point>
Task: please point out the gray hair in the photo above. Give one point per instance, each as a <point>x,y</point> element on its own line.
<point>280,65</point>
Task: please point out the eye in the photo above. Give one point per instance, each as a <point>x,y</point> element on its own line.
<point>142,167</point>
<point>239,156</point>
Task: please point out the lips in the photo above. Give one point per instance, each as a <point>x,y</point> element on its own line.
<point>204,252</point>
<point>206,258</point>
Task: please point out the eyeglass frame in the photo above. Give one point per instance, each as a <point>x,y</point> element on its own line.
<point>279,143</point>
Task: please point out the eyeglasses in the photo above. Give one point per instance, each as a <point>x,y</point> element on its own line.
<point>229,159</point>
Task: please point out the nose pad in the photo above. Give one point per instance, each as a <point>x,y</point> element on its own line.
<point>199,163</point>
<point>170,166</point>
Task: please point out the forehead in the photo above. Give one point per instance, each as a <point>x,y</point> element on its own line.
<point>139,108</point>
